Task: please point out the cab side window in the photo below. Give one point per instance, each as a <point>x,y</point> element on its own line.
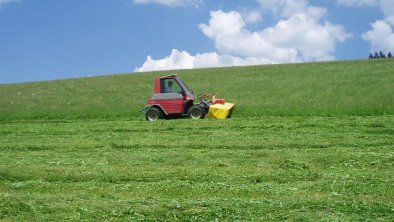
<point>170,86</point>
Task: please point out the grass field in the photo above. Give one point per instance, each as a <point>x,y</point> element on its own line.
<point>295,168</point>
<point>308,142</point>
<point>313,89</point>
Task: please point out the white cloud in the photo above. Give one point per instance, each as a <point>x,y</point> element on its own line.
<point>171,3</point>
<point>381,37</point>
<point>3,2</point>
<point>214,59</point>
<point>223,24</point>
<point>313,41</point>
<point>387,7</point>
<point>299,35</point>
<point>231,37</point>
<point>177,60</point>
<point>253,16</point>
<point>183,60</point>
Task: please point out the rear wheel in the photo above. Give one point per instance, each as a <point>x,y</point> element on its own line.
<point>153,114</point>
<point>196,112</point>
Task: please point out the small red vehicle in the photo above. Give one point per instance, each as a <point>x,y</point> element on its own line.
<point>172,97</point>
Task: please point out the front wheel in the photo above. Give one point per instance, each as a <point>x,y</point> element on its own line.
<point>196,112</point>
<point>153,114</point>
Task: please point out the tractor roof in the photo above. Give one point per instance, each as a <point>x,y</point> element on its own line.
<point>169,76</point>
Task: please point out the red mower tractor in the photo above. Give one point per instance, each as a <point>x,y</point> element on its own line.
<point>173,98</point>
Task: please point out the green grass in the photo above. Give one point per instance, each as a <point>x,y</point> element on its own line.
<point>323,89</point>
<point>274,168</point>
<point>307,142</point>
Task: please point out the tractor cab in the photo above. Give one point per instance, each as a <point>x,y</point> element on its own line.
<point>173,84</point>
<point>172,97</point>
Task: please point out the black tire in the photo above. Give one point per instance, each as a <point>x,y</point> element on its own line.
<point>153,114</point>
<point>196,112</point>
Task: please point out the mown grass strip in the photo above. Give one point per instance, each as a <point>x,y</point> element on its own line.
<point>274,168</point>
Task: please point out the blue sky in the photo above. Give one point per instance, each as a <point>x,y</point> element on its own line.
<point>58,39</point>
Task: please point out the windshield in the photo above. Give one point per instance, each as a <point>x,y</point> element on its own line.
<point>185,87</point>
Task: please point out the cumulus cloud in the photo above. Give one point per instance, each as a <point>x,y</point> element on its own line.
<point>171,3</point>
<point>3,2</point>
<point>299,35</point>
<point>231,37</point>
<point>183,60</point>
<point>381,36</point>
<point>311,40</point>
<point>176,60</point>
<point>252,16</point>
<point>387,7</point>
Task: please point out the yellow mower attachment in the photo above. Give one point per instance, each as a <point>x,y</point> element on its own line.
<point>220,111</point>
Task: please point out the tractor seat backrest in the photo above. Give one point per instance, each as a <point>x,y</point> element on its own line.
<point>167,96</point>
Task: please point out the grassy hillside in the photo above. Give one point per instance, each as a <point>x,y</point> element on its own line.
<point>309,142</point>
<point>332,88</point>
